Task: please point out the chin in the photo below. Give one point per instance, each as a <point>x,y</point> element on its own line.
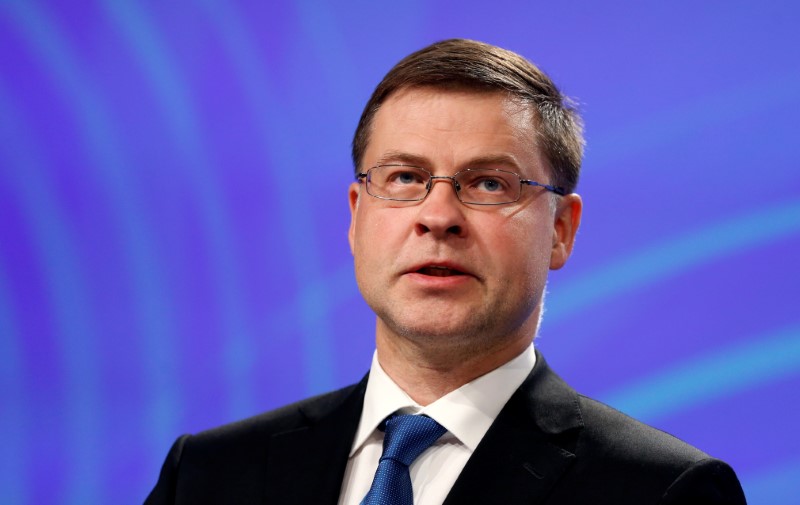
<point>432,330</point>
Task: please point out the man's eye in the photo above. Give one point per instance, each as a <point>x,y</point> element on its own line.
<point>406,178</point>
<point>489,185</point>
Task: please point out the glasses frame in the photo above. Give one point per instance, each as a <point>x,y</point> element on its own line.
<point>364,177</point>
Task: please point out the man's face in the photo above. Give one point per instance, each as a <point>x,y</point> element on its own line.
<point>440,272</point>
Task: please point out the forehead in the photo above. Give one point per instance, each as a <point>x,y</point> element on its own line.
<point>447,129</point>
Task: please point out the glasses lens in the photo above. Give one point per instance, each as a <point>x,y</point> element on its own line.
<point>488,186</point>
<point>398,182</point>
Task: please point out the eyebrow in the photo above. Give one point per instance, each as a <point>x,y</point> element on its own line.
<point>488,160</point>
<point>493,160</point>
<point>404,158</point>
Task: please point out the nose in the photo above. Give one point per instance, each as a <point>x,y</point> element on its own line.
<point>441,213</point>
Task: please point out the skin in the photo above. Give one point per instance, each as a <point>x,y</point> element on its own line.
<point>434,334</point>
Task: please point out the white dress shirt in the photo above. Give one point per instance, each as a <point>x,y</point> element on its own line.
<point>466,413</point>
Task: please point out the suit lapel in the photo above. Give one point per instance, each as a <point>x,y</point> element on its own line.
<point>527,448</point>
<point>307,464</point>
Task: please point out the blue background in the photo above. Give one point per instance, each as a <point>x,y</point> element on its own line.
<point>173,220</point>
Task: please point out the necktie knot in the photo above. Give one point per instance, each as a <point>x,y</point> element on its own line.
<point>405,438</point>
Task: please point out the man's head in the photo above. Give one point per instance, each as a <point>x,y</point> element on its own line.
<point>452,279</point>
<point>476,66</point>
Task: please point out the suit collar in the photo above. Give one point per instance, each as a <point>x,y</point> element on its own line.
<point>306,463</point>
<point>529,446</point>
<point>521,457</point>
<point>467,412</point>
<point>552,403</point>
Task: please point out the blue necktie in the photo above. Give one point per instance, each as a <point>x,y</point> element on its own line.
<point>406,438</point>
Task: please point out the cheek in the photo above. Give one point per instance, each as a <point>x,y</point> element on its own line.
<point>525,252</point>
<point>375,237</point>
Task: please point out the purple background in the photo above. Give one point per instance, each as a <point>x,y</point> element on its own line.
<point>173,221</point>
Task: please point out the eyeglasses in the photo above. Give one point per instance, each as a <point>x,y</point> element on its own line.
<point>475,186</point>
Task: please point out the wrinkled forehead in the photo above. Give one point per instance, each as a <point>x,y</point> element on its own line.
<point>420,122</point>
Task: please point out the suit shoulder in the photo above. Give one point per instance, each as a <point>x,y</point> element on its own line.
<point>286,418</point>
<point>232,460</point>
<point>617,435</point>
<point>657,467</point>
<point>246,440</point>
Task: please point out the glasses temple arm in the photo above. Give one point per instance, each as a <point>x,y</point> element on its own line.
<point>555,189</point>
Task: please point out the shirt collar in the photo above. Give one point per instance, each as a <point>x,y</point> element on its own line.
<point>467,412</point>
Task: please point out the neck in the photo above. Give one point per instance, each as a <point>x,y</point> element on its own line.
<point>427,374</point>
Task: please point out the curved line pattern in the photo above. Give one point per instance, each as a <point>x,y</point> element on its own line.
<point>103,148</point>
<point>320,27</point>
<point>66,292</point>
<point>718,107</point>
<point>338,286</point>
<point>682,386</point>
<point>724,372</point>
<point>296,220</point>
<point>777,485</point>
<point>13,397</point>
<point>324,32</point>
<point>173,96</point>
<point>662,260</point>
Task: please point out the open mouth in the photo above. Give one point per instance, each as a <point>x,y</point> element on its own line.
<point>436,271</point>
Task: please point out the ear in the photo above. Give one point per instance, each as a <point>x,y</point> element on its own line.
<point>565,225</point>
<point>352,195</point>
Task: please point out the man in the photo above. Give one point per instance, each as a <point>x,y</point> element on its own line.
<point>467,157</point>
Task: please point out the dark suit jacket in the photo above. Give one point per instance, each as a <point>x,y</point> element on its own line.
<point>548,446</point>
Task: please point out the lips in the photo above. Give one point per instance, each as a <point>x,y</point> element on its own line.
<point>440,269</point>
